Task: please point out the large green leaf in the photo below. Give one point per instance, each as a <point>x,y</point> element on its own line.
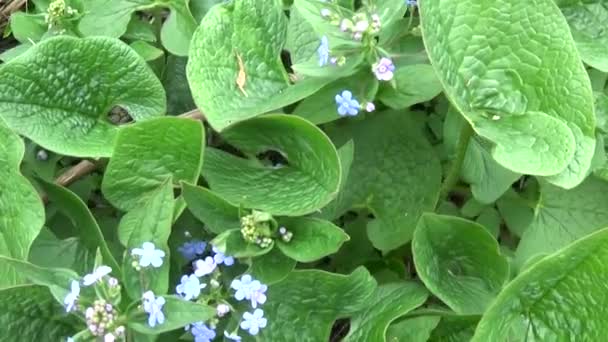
<point>416,329</point>
<point>217,214</point>
<point>413,84</point>
<point>560,298</point>
<point>178,313</point>
<point>312,238</point>
<point>164,147</point>
<point>293,316</point>
<point>150,221</point>
<point>530,97</point>
<point>391,154</point>
<point>27,27</point>
<point>588,21</point>
<point>232,32</point>
<point>272,267</point>
<point>459,262</point>
<point>61,100</point>
<point>563,216</point>
<point>30,313</point>
<point>308,182</point>
<point>178,29</point>
<point>388,303</point>
<point>71,206</point>
<point>21,211</point>
<point>50,252</point>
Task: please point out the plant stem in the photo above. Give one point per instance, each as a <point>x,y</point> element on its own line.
<point>461,150</point>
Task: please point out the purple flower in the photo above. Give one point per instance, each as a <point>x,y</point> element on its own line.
<point>347,105</point>
<point>250,289</point>
<point>149,255</point>
<point>72,297</point>
<point>232,336</point>
<point>201,332</point>
<point>153,306</point>
<point>204,267</point>
<point>323,51</point>
<point>384,69</point>
<point>190,250</point>
<point>190,287</point>
<point>97,275</point>
<point>252,322</point>
<point>220,258</point>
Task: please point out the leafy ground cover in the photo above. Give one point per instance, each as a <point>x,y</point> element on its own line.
<point>302,170</point>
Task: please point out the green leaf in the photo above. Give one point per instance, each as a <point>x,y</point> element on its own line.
<point>271,267</point>
<point>321,107</point>
<point>311,12</point>
<point>29,313</point>
<point>459,262</point>
<point>358,250</point>
<point>232,31</point>
<point>413,84</point>
<point>110,17</point>
<point>551,300</point>
<point>391,154</point>
<point>388,303</point>
<point>179,97</point>
<point>312,238</point>
<point>178,29</point>
<point>563,216</point>
<point>72,207</point>
<point>587,20</point>
<point>50,252</point>
<point>292,316</point>
<point>416,329</point>
<point>73,121</point>
<point>217,214</point>
<point>58,280</point>
<point>150,221</point>
<point>140,29</point>
<point>21,210</point>
<point>524,96</point>
<point>146,50</point>
<point>301,41</point>
<point>27,28</point>
<point>165,147</point>
<point>516,211</point>
<point>178,313</point>
<point>308,182</point>
<point>231,243</point>
<point>455,328</point>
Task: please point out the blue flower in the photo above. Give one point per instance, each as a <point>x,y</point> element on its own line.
<point>190,287</point>
<point>153,306</point>
<point>149,255</point>
<point>72,297</point>
<point>347,105</point>
<point>201,332</point>
<point>220,258</point>
<point>252,322</point>
<point>250,289</point>
<point>384,69</point>
<point>204,267</point>
<point>190,250</point>
<point>323,51</point>
<point>232,336</point>
<point>97,275</point>
<point>411,2</point>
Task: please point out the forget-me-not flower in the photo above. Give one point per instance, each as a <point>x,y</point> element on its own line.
<point>232,336</point>
<point>97,275</point>
<point>190,287</point>
<point>323,51</point>
<point>347,105</point>
<point>258,295</point>
<point>204,267</point>
<point>153,306</point>
<point>149,255</point>
<point>190,250</point>
<point>201,332</point>
<point>411,2</point>
<point>221,258</point>
<point>250,289</point>
<point>383,69</point>
<point>253,322</point>
<point>72,297</point>
<point>222,309</point>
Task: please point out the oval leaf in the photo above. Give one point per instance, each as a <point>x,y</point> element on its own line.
<point>61,100</point>
<point>312,239</point>
<point>217,214</point>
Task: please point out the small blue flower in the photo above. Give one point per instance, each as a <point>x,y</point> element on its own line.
<point>153,306</point>
<point>411,2</point>
<point>70,339</point>
<point>72,297</point>
<point>232,336</point>
<point>190,250</point>
<point>201,332</point>
<point>220,258</point>
<point>97,275</point>
<point>323,51</point>
<point>250,289</point>
<point>347,105</point>
<point>190,287</point>
<point>384,69</point>
<point>149,255</point>
<point>204,267</point>
<point>253,322</point>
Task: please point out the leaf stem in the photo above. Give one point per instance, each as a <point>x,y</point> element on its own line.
<point>461,150</point>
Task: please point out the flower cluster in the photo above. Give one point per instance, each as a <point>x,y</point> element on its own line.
<point>57,11</point>
<point>247,288</point>
<point>257,228</point>
<point>349,106</point>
